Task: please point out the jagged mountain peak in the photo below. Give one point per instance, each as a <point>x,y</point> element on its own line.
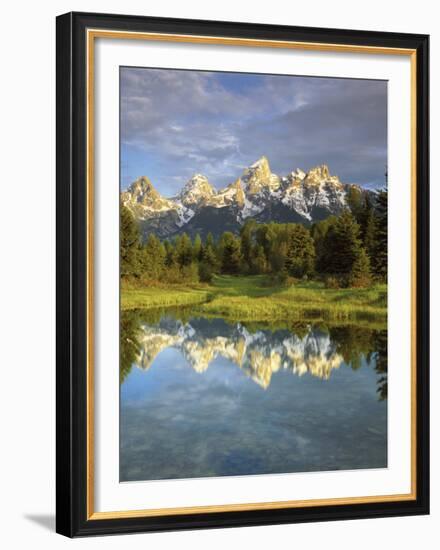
<point>320,175</point>
<point>258,178</point>
<point>260,169</point>
<point>196,190</point>
<point>298,174</point>
<point>142,191</point>
<point>321,172</point>
<point>299,197</point>
<point>143,185</point>
<point>262,162</point>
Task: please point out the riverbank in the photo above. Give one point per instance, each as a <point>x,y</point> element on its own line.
<point>253,299</point>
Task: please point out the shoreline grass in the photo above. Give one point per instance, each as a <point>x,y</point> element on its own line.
<point>251,299</point>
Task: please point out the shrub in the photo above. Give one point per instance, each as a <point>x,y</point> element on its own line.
<point>332,281</point>
<point>205,272</point>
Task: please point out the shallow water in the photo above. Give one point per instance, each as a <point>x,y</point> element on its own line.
<point>207,398</point>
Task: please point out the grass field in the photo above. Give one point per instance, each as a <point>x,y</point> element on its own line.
<point>251,299</point>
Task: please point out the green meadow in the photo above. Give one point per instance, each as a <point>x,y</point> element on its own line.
<point>253,298</point>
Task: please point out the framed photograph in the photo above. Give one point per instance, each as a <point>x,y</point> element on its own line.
<point>242,274</point>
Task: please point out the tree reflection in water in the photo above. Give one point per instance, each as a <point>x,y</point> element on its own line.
<point>260,351</point>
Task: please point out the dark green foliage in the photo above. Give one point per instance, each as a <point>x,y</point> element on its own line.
<point>209,257</point>
<point>360,274</point>
<point>184,250</point>
<point>230,253</point>
<point>381,368</point>
<point>258,263</point>
<point>206,272</point>
<point>341,245</point>
<point>342,250</point>
<point>130,346</point>
<point>355,201</point>
<point>380,254</point>
<point>247,242</point>
<point>152,257</point>
<point>300,251</point>
<point>197,248</point>
<point>367,224</point>
<point>210,240</point>
<point>353,343</point>
<point>129,243</point>
<point>319,233</point>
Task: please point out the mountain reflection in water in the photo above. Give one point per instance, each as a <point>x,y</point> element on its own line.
<point>259,353</point>
<point>202,398</point>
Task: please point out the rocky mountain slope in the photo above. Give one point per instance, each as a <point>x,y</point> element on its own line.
<point>302,197</point>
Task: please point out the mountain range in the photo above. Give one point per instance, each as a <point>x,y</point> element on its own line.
<point>301,197</point>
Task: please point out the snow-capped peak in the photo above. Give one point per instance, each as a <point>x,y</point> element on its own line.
<point>196,190</point>
<point>260,194</point>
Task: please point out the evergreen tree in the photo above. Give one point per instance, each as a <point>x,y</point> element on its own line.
<point>380,256</point>
<point>355,202</point>
<point>170,256</point>
<point>129,243</point>
<point>258,262</point>
<point>152,258</point>
<point>341,245</point>
<point>197,248</point>
<point>360,274</point>
<point>209,257</point>
<point>247,238</point>
<point>230,250</point>
<point>300,256</point>
<point>319,232</point>
<point>210,240</point>
<point>278,256</point>
<point>368,226</point>
<point>184,250</point>
<point>265,236</point>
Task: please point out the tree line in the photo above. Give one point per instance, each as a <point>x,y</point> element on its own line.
<point>349,250</point>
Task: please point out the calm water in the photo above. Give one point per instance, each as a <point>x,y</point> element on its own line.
<point>207,398</point>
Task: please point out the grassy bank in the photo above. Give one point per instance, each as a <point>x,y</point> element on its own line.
<point>251,299</point>
<point>160,297</point>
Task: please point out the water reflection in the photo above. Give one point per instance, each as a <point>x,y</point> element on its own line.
<point>203,398</point>
<point>259,352</point>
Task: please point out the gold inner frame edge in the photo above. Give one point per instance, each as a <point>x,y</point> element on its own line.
<point>195,39</point>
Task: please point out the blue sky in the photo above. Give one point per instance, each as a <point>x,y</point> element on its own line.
<point>177,123</point>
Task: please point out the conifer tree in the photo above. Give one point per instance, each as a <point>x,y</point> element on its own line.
<point>129,243</point>
<point>247,238</point>
<point>278,256</point>
<point>210,240</point>
<point>368,226</point>
<point>341,245</point>
<point>230,249</point>
<point>184,250</point>
<point>300,257</point>
<point>354,200</point>
<point>152,258</point>
<point>209,257</point>
<point>380,255</point>
<point>360,274</point>
<point>197,248</point>
<point>258,262</point>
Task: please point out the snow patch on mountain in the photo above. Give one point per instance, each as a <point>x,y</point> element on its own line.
<point>256,191</point>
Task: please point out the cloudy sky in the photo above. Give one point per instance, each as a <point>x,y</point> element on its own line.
<point>177,123</point>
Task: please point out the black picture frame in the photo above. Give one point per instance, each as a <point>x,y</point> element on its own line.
<point>72,519</point>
